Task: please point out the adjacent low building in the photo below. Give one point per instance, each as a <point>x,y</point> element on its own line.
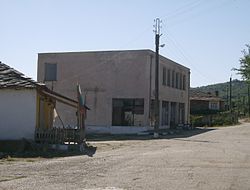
<point>205,103</point>
<point>26,106</point>
<point>118,87</point>
<point>18,105</point>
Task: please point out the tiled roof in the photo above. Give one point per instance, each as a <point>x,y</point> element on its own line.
<point>206,98</point>
<point>11,78</point>
<point>198,95</point>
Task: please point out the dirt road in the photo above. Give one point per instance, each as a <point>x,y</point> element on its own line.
<point>216,159</point>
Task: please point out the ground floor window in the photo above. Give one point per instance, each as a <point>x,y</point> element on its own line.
<point>165,113</point>
<point>181,113</point>
<point>127,111</point>
<point>214,105</point>
<point>173,114</point>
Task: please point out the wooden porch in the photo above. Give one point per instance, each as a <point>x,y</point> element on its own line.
<point>58,135</point>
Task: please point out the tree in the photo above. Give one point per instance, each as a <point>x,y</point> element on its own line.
<point>244,69</point>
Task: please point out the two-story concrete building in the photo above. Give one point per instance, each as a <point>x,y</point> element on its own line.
<point>119,88</point>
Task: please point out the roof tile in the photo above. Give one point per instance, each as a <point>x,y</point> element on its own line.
<point>11,78</point>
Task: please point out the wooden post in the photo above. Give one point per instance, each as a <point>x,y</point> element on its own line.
<point>81,117</point>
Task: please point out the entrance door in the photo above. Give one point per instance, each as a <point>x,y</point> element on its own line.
<point>173,115</point>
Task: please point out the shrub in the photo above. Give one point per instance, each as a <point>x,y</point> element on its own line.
<point>219,119</point>
<point>197,121</point>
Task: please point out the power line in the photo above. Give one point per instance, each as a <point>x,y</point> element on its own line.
<point>176,12</point>
<point>199,13</point>
<point>182,10</point>
<point>188,7</point>
<point>137,37</point>
<point>183,54</point>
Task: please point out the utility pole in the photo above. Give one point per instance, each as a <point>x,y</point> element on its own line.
<point>248,87</point>
<point>156,103</point>
<point>244,105</point>
<point>230,94</point>
<point>227,99</point>
<point>248,93</point>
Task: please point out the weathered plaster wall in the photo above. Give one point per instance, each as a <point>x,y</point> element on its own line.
<point>110,74</point>
<point>17,114</point>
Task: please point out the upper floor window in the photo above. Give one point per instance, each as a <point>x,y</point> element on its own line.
<point>184,82</point>
<point>50,72</point>
<point>168,78</point>
<point>164,77</point>
<point>173,78</point>
<point>177,80</point>
<point>181,82</point>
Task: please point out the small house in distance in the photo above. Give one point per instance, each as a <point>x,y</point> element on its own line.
<point>205,103</point>
<point>119,88</point>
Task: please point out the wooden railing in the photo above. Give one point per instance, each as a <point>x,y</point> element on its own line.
<point>57,135</point>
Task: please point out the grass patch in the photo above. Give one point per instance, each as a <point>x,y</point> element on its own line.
<point>10,159</point>
<point>31,160</point>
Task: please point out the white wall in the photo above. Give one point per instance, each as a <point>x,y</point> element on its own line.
<point>17,114</point>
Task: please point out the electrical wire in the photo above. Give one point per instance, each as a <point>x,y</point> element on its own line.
<point>138,36</point>
<point>184,55</point>
<point>177,13</point>
<point>187,59</point>
<point>198,13</point>
<point>182,10</point>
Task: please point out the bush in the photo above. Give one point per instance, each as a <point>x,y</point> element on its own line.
<point>197,121</point>
<point>219,119</point>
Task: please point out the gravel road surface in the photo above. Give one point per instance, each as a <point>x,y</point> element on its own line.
<point>214,159</point>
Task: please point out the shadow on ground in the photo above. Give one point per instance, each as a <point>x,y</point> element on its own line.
<point>163,134</point>
<point>24,149</point>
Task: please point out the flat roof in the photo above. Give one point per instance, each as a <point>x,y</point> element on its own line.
<point>161,57</point>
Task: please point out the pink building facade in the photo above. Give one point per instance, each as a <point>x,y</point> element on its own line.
<point>119,88</point>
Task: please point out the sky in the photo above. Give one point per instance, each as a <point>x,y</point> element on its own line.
<point>206,36</point>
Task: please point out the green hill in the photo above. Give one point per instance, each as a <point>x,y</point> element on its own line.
<point>239,90</point>
<point>239,101</point>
